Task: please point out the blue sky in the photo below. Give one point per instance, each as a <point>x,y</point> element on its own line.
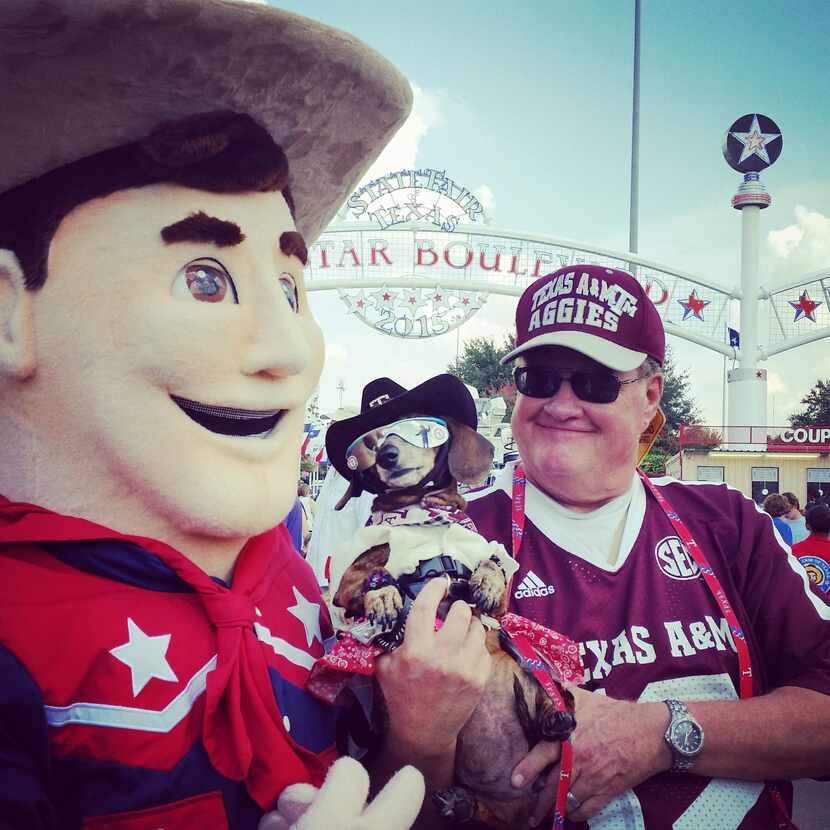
<point>534,102</point>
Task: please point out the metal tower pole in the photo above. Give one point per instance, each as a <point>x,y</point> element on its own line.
<point>634,206</point>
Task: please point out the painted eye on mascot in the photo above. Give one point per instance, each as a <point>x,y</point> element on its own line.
<point>205,280</point>
<point>289,287</point>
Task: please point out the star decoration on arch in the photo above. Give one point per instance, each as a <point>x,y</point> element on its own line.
<point>693,305</point>
<point>805,307</point>
<point>384,297</point>
<point>755,142</point>
<point>356,303</point>
<point>470,302</point>
<point>440,299</point>
<point>411,299</point>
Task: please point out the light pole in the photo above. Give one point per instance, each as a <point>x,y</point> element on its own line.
<point>750,145</point>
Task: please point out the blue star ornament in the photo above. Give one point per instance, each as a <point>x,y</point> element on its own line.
<point>752,143</point>
<point>693,305</point>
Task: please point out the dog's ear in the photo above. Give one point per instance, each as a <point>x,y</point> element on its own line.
<point>471,454</point>
<point>352,492</point>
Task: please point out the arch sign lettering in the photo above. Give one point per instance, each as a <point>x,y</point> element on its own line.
<point>411,255</point>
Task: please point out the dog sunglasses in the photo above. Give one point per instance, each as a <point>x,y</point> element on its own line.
<point>591,387</point>
<point>419,432</point>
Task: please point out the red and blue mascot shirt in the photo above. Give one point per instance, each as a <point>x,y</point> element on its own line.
<point>137,692</point>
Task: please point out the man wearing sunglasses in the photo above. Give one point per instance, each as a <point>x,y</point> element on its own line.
<point>685,601</point>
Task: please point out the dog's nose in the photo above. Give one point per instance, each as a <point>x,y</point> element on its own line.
<point>387,456</point>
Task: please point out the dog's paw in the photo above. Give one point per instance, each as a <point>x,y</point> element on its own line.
<point>487,586</point>
<point>454,803</point>
<point>383,606</point>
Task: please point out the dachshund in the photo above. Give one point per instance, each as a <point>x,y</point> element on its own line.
<point>514,712</point>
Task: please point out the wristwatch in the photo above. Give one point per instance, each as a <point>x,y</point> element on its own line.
<point>684,735</point>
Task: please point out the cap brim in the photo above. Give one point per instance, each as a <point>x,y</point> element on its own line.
<point>79,78</point>
<point>597,348</point>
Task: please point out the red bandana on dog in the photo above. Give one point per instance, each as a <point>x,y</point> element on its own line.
<point>331,673</point>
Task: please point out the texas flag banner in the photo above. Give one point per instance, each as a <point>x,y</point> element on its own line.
<point>310,432</point>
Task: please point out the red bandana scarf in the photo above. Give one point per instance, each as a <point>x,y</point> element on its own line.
<point>242,728</point>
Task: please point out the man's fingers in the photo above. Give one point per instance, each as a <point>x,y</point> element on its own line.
<point>420,624</point>
<point>341,798</point>
<point>590,807</point>
<point>456,625</point>
<point>541,756</point>
<point>397,805</point>
<point>547,797</point>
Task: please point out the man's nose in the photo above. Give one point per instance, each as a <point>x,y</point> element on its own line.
<point>564,402</point>
<point>387,456</point>
<point>280,341</point>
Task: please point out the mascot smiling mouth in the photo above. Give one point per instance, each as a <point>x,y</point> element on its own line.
<point>226,420</point>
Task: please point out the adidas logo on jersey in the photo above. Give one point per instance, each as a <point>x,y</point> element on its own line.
<point>532,586</point>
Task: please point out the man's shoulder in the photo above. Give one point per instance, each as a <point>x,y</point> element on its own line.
<point>707,496</point>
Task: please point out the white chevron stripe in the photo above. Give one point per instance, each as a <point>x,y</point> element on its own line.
<point>128,717</point>
<point>282,647</point>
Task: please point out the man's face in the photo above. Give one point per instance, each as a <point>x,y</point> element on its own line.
<point>179,370</point>
<point>571,447</point>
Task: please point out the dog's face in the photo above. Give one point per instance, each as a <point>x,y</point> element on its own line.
<point>398,463</point>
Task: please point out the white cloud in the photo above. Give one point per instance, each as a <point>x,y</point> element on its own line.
<point>801,247</point>
<point>336,352</point>
<point>402,152</point>
<point>487,198</point>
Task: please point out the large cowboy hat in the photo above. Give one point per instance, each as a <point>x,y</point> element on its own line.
<point>384,402</point>
<point>82,76</point>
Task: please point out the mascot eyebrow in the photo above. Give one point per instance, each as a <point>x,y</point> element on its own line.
<point>200,227</point>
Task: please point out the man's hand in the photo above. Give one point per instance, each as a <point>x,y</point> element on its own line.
<point>434,680</point>
<point>617,744</point>
<point>340,804</point>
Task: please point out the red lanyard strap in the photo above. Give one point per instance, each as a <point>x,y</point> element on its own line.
<point>712,581</point>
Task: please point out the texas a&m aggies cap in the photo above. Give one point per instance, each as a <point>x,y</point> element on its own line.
<point>600,312</point>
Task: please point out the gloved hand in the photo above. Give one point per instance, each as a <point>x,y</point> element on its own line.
<point>340,804</point>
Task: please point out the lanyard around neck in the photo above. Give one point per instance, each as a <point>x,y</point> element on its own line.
<point>709,576</point>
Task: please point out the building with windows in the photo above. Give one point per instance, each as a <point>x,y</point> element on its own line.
<point>757,460</point>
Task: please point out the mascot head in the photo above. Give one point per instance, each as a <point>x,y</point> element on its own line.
<point>165,166</point>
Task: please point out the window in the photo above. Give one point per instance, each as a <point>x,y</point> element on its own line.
<point>709,473</point>
<point>818,485</point>
<point>764,482</point>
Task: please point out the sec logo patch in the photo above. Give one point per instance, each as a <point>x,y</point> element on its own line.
<point>674,560</point>
<point>818,571</point>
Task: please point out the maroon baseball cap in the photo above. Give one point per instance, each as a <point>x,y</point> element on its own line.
<point>600,312</point>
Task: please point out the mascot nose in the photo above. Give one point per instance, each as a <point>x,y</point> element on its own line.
<point>387,456</point>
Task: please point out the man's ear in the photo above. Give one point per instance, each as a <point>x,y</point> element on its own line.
<point>17,352</point>
<point>471,454</point>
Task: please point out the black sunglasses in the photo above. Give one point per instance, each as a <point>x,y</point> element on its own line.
<point>592,387</point>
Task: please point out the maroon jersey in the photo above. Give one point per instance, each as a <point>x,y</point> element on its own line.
<point>649,628</point>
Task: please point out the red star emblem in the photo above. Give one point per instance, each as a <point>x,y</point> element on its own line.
<point>412,299</point>
<point>360,303</point>
<point>465,301</point>
<point>693,305</point>
<point>438,297</point>
<point>805,307</point>
<point>386,296</point>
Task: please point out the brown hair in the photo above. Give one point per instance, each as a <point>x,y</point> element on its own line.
<point>776,505</point>
<point>220,152</point>
<point>792,499</point>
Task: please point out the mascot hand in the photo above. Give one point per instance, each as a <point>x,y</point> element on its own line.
<point>340,804</point>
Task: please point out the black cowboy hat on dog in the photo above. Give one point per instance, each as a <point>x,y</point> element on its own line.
<point>385,402</point>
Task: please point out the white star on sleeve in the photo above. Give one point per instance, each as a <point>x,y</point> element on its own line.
<point>145,656</point>
<point>308,613</point>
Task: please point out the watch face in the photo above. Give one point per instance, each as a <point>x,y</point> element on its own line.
<point>687,737</point>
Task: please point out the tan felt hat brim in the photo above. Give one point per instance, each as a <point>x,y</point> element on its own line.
<point>81,76</point>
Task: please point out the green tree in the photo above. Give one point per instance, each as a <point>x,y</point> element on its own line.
<point>679,407</point>
<point>478,365</point>
<point>816,407</point>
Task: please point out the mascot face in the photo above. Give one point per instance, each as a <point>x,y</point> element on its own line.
<point>179,370</point>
